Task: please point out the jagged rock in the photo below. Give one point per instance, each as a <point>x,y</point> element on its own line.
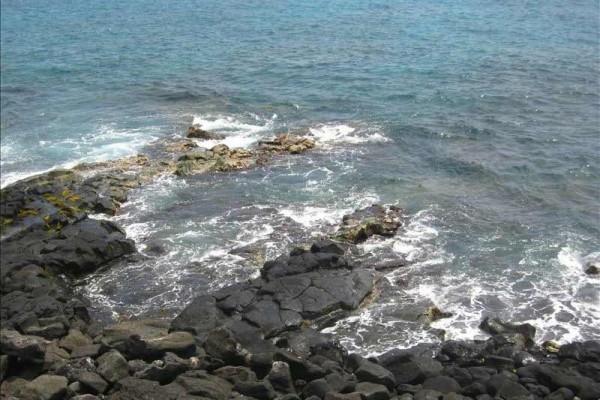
<point>30,348</point>
<point>271,318</point>
<point>507,389</point>
<point>327,246</point>
<point>218,158</point>
<point>410,368</point>
<point>200,316</point>
<point>93,382</point>
<point>91,350</point>
<point>258,389</point>
<point>199,383</point>
<point>75,368</point>
<point>287,143</point>
<point>140,389</point>
<point>221,346</point>
<point>586,351</point>
<point>555,377</point>
<point>112,366</point>
<point>196,132</point>
<point>147,339</point>
<point>300,262</point>
<point>494,326</point>
<point>300,368</point>
<point>341,382</point>
<point>75,339</point>
<point>55,357</point>
<point>234,374</point>
<point>317,387</point>
<point>46,387</point>
<point>134,365</point>
<point>460,375</point>
<point>442,384</point>
<point>165,370</point>
<point>371,372</point>
<point>373,220</point>
<point>372,391</point>
<point>86,245</point>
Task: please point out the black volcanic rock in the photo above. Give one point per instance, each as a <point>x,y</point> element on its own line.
<point>494,326</point>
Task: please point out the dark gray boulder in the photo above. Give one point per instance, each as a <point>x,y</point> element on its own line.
<point>586,351</point>
<point>373,391</point>
<point>258,389</point>
<point>199,383</point>
<point>494,326</point>
<point>199,317</point>
<point>147,339</point>
<point>26,347</point>
<point>46,387</point>
<point>371,372</point>
<point>442,384</point>
<point>164,371</point>
<point>92,382</point>
<point>410,368</point>
<point>112,366</point>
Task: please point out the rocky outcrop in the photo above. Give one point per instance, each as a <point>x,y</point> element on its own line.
<point>195,132</point>
<point>373,220</point>
<point>221,158</point>
<point>287,143</point>
<point>308,286</point>
<point>256,339</point>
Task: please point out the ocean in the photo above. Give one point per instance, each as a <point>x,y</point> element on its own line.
<point>481,119</point>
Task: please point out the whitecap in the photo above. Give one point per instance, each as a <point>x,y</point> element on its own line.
<point>342,133</point>
<point>239,134</point>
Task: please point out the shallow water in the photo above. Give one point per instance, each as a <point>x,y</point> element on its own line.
<point>481,119</point>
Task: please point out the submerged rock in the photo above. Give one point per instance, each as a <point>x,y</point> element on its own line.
<point>592,269</point>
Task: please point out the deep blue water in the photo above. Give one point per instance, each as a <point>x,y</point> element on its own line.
<point>480,118</point>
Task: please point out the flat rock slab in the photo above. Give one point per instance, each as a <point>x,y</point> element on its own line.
<point>306,285</point>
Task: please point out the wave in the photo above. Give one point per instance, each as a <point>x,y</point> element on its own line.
<point>342,133</point>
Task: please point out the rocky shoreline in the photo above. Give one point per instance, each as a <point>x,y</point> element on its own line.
<point>258,339</point>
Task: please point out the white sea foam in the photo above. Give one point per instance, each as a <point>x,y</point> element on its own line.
<point>341,133</point>
<point>108,142</point>
<point>310,216</point>
<point>238,134</point>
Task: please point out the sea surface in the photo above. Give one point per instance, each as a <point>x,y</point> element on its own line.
<point>480,118</point>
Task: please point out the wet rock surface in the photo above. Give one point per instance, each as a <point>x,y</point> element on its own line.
<point>373,220</point>
<point>256,339</point>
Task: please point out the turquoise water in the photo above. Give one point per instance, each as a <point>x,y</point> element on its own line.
<point>480,118</point>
